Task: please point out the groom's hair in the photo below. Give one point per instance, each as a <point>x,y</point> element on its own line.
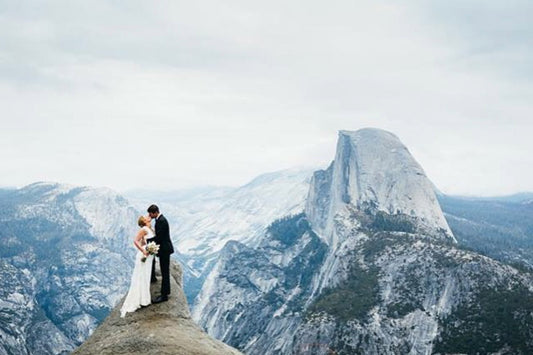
<point>153,209</point>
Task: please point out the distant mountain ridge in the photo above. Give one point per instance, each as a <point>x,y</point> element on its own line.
<point>203,222</point>
<point>494,227</point>
<point>365,270</point>
<point>519,197</point>
<point>66,257</point>
<point>61,238</point>
<point>39,311</point>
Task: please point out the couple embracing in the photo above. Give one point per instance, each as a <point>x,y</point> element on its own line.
<point>144,270</point>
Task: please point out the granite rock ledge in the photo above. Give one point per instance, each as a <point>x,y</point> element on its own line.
<point>164,328</point>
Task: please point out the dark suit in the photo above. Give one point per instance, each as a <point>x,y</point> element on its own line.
<point>162,237</point>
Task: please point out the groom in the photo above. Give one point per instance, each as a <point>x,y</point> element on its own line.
<point>162,237</point>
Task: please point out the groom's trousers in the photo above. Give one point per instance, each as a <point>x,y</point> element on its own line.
<point>153,278</point>
<point>164,264</point>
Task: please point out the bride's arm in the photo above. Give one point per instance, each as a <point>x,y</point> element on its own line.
<point>137,241</point>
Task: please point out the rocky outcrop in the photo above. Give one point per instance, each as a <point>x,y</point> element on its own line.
<point>374,173</point>
<point>371,267</point>
<point>164,328</point>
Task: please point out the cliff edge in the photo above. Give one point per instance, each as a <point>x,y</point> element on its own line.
<point>164,328</point>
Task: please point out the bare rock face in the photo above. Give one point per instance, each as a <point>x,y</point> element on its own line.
<point>164,328</point>
<point>375,173</point>
<point>370,267</point>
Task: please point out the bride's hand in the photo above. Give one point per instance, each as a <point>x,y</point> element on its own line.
<point>147,254</point>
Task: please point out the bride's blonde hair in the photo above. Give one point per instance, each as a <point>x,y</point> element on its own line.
<point>141,222</point>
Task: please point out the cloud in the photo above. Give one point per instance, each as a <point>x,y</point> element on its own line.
<point>129,94</point>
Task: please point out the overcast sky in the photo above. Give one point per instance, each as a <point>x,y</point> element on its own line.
<point>170,94</point>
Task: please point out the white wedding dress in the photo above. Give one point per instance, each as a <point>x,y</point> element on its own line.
<point>139,293</point>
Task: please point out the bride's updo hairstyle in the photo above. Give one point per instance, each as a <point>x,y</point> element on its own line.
<point>141,222</point>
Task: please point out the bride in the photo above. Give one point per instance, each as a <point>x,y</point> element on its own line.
<point>139,292</point>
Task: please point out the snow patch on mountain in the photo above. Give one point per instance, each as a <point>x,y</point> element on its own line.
<point>241,214</point>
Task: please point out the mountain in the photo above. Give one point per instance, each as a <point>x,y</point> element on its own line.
<point>164,328</point>
<point>202,220</point>
<point>66,260</point>
<point>238,214</point>
<point>374,173</point>
<point>67,253</point>
<point>521,197</point>
<point>370,266</point>
<point>501,228</point>
<point>266,255</point>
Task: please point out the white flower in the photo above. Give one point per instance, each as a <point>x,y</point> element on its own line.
<point>152,248</point>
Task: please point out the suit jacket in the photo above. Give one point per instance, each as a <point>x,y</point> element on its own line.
<point>162,236</point>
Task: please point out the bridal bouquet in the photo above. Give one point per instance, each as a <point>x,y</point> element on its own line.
<point>152,249</point>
